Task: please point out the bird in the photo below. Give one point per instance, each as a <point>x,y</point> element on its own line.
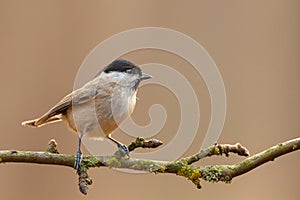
<point>105,101</point>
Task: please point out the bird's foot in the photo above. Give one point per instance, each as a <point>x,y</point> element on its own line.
<point>123,150</point>
<point>78,159</point>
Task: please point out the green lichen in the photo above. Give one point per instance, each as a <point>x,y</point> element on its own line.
<point>245,163</point>
<point>227,179</point>
<point>218,151</point>
<point>214,174</point>
<point>113,162</point>
<point>148,165</point>
<point>270,150</point>
<point>192,174</point>
<point>141,165</point>
<point>177,165</point>
<point>294,147</point>
<point>92,162</point>
<point>27,152</point>
<point>161,168</point>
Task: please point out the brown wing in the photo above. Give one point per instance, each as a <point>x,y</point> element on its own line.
<point>86,93</point>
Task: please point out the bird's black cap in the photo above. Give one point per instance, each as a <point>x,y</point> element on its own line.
<point>121,65</point>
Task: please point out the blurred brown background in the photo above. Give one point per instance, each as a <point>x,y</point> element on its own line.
<point>254,43</point>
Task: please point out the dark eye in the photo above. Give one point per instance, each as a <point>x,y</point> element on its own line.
<point>128,71</point>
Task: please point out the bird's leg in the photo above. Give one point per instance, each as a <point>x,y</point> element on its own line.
<point>78,157</point>
<point>122,147</point>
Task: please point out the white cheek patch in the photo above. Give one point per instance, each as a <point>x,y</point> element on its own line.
<point>113,76</point>
<point>122,78</point>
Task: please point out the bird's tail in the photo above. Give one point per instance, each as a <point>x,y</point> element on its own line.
<point>31,123</point>
<point>41,121</point>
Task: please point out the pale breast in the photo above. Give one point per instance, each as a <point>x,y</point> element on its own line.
<point>111,113</point>
<point>103,111</point>
<point>132,103</point>
<point>82,118</point>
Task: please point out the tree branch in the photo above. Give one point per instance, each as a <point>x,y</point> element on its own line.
<point>183,167</point>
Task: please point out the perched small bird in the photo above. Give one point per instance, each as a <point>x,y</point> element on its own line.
<point>106,100</point>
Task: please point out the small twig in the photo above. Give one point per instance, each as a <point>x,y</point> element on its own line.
<point>143,143</point>
<point>52,147</point>
<point>218,149</point>
<point>83,181</point>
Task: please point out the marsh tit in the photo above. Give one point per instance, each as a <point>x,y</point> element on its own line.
<point>104,101</point>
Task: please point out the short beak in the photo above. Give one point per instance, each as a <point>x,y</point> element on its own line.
<point>145,76</point>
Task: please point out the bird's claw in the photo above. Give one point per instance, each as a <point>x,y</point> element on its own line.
<point>123,149</point>
<point>78,159</point>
